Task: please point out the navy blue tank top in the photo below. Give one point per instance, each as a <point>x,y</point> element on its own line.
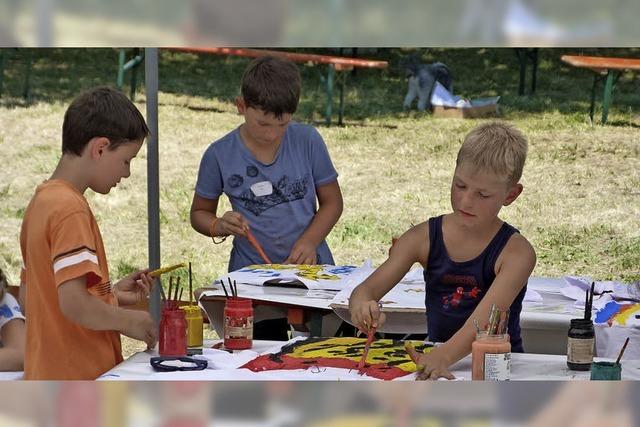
<point>454,289</point>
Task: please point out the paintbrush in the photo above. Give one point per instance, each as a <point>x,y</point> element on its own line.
<point>588,303</point>
<point>226,294</point>
<point>370,335</point>
<point>170,287</point>
<point>190,286</point>
<point>367,345</point>
<point>162,294</point>
<point>622,350</point>
<point>251,238</point>
<point>177,288</point>
<point>158,272</point>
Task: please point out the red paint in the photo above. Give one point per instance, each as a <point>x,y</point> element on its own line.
<point>238,324</point>
<point>173,333</point>
<point>381,370</point>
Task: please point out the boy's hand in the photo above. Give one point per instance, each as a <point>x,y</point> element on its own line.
<point>303,252</point>
<point>431,366</point>
<point>367,315</point>
<point>139,325</point>
<point>133,288</point>
<point>232,223</point>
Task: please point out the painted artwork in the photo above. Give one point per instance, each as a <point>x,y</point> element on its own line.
<point>325,277</point>
<point>387,359</point>
<point>614,313</point>
<point>402,297</point>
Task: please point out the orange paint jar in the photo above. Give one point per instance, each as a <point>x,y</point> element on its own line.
<point>491,357</point>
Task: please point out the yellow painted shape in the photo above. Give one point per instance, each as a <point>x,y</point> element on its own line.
<point>343,348</point>
<point>623,316</point>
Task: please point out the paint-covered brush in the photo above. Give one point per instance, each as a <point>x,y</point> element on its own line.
<point>160,271</point>
<point>367,345</point>
<point>252,239</point>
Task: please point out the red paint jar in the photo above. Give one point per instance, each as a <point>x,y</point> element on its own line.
<point>173,333</point>
<point>238,323</point>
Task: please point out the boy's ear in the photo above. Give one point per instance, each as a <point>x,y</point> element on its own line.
<point>240,104</point>
<point>513,194</point>
<point>97,146</point>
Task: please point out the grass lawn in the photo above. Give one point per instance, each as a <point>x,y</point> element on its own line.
<point>581,202</point>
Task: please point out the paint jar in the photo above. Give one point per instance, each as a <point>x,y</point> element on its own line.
<point>195,322</point>
<point>173,333</point>
<point>238,323</point>
<point>606,371</point>
<point>580,345</point>
<point>491,357</point>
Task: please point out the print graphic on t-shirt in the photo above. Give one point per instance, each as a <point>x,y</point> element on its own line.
<point>235,181</point>
<point>5,311</point>
<point>459,282</point>
<point>285,191</point>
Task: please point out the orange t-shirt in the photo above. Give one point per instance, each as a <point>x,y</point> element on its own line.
<point>60,241</point>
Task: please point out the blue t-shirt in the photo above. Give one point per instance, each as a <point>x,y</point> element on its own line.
<point>454,289</point>
<point>277,199</point>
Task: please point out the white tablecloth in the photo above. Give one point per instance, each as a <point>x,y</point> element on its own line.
<point>523,367</point>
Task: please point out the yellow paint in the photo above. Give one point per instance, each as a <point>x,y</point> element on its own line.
<point>622,318</point>
<point>311,272</point>
<point>342,348</point>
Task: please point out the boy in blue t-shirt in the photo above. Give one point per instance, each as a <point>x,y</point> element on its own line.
<point>471,258</point>
<point>272,170</point>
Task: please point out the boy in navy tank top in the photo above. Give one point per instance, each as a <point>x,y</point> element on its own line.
<point>471,258</point>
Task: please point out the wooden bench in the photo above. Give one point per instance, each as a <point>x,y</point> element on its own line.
<point>334,63</point>
<point>607,69</point>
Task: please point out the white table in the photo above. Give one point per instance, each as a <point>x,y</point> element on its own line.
<point>11,376</point>
<point>524,367</point>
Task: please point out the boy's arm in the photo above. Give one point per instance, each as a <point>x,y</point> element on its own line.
<point>79,306</point>
<point>411,247</point>
<point>518,261</point>
<point>22,298</point>
<point>12,336</point>
<point>203,212</point>
<point>329,211</point>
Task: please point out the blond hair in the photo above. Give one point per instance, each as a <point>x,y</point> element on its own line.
<point>497,147</point>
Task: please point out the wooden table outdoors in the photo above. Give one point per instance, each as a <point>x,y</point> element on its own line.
<point>607,69</point>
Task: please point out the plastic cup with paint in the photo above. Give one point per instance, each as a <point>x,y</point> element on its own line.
<point>606,371</point>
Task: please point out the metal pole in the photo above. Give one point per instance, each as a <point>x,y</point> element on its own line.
<point>153,182</point>
<point>608,92</point>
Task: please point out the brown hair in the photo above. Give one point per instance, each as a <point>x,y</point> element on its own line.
<point>3,284</point>
<point>101,112</point>
<point>497,147</point>
<point>271,84</point>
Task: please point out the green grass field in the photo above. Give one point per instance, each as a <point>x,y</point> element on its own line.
<point>580,207</point>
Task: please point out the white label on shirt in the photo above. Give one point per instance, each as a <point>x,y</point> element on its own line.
<point>263,188</point>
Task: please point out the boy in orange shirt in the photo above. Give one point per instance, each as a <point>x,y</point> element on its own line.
<point>74,323</point>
